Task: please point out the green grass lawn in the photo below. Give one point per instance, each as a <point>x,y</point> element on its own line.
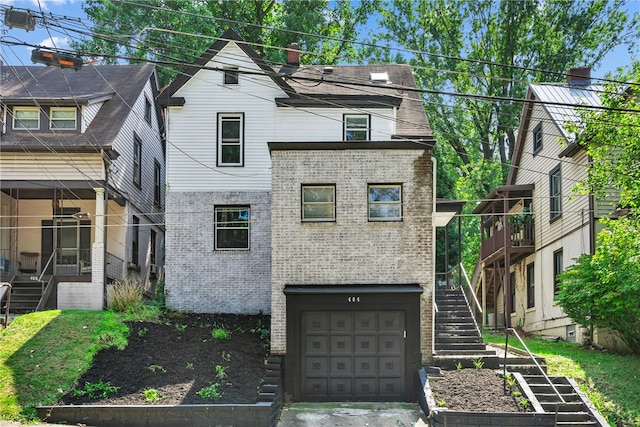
<point>611,381</point>
<point>42,354</point>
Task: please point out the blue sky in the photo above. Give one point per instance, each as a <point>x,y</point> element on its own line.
<point>20,55</point>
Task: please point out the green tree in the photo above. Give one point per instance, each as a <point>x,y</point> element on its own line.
<point>176,32</point>
<point>604,290</point>
<point>505,44</point>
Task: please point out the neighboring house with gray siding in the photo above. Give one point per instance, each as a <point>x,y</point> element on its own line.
<point>82,161</point>
<point>548,224</point>
<point>306,192</point>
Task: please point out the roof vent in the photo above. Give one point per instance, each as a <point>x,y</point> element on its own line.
<point>379,78</point>
<point>327,70</point>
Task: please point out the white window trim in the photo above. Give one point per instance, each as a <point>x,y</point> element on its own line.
<point>346,127</point>
<point>370,203</point>
<point>240,141</point>
<point>52,120</point>
<point>216,226</point>
<point>331,204</point>
<point>16,121</point>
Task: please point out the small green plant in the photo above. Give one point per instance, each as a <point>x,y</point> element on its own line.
<point>180,327</point>
<point>220,333</point>
<point>142,332</point>
<point>458,366</point>
<point>156,368</point>
<point>221,372</point>
<point>516,394</point>
<point>99,390</point>
<point>478,363</point>
<point>511,381</point>
<point>441,402</point>
<point>262,330</point>
<point>226,356</point>
<point>190,365</point>
<point>152,395</point>
<point>523,403</point>
<point>210,392</point>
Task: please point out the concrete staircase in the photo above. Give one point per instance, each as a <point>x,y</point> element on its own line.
<point>574,412</point>
<point>458,340</point>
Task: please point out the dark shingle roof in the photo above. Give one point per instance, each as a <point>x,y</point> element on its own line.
<point>118,85</point>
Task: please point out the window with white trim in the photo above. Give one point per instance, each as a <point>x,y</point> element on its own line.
<point>147,110</point>
<point>318,202</point>
<point>63,118</point>
<point>137,161</point>
<point>555,193</point>
<point>537,138</point>
<point>230,139</point>
<point>231,227</point>
<point>385,202</point>
<point>26,118</point>
<point>356,127</point>
<point>531,286</point>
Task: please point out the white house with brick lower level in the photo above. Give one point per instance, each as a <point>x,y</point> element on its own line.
<point>307,193</point>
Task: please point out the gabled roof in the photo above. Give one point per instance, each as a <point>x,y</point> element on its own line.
<point>210,53</point>
<point>560,101</point>
<point>118,86</point>
<point>345,86</point>
<point>351,86</point>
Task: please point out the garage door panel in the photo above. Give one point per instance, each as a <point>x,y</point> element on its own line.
<point>315,387</point>
<point>366,322</point>
<point>365,344</point>
<point>341,344</point>
<point>317,323</point>
<point>390,344</point>
<point>390,366</point>
<point>366,386</point>
<point>391,322</point>
<point>365,365</point>
<point>341,366</point>
<point>315,344</point>
<point>341,322</point>
<point>317,366</point>
<point>341,387</point>
<point>390,387</point>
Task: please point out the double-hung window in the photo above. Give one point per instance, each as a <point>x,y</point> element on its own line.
<point>531,286</point>
<point>26,118</point>
<point>147,110</point>
<point>537,138</point>
<point>385,202</point>
<point>230,139</point>
<point>231,227</point>
<point>356,127</point>
<point>135,240</point>
<point>62,118</point>
<point>555,193</point>
<point>157,184</point>
<point>318,202</point>
<point>557,268</point>
<point>137,161</point>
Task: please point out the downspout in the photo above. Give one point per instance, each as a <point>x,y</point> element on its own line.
<point>433,249</point>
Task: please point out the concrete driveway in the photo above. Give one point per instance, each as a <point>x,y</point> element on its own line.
<point>352,415</point>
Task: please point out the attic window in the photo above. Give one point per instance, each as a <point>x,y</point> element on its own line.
<point>26,118</point>
<point>63,118</point>
<point>379,78</point>
<point>231,76</point>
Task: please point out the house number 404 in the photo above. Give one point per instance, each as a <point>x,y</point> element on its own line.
<point>353,299</point>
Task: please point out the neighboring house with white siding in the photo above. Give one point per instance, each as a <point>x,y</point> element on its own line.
<point>82,161</point>
<point>305,192</point>
<point>536,224</point>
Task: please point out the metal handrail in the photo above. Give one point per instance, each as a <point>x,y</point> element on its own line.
<point>504,376</point>
<point>47,264</point>
<point>475,297</point>
<point>6,312</point>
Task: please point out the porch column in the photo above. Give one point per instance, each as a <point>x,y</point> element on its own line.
<point>98,248</point>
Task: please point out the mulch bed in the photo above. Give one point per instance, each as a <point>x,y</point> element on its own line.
<point>178,358</point>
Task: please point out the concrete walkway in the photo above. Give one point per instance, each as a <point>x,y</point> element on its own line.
<point>352,415</point>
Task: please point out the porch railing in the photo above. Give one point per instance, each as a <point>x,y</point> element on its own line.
<point>520,235</point>
<point>114,267</point>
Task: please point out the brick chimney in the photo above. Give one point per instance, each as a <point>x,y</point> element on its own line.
<point>579,76</point>
<point>293,54</point>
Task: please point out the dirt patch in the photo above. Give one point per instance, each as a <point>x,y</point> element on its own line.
<point>474,390</point>
<point>178,359</point>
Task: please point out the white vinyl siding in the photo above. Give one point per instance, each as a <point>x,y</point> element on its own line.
<point>88,114</point>
<point>47,166</point>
